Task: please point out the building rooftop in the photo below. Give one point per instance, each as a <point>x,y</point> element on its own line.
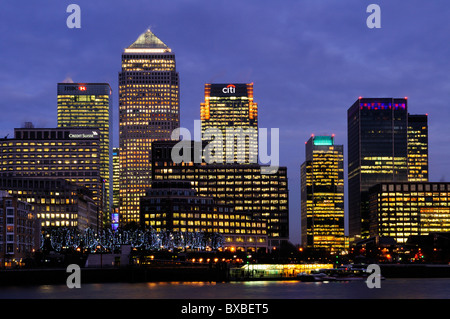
<point>148,40</point>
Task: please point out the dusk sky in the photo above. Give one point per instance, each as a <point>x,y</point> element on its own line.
<point>309,61</point>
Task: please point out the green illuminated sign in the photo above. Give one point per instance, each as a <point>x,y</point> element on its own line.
<point>323,140</point>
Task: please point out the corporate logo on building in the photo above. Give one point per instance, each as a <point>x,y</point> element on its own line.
<point>75,88</point>
<point>92,134</point>
<point>229,89</point>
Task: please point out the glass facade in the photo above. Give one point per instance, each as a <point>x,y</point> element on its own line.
<point>90,105</point>
<point>148,112</point>
<point>377,152</point>
<point>322,195</point>
<point>230,110</point>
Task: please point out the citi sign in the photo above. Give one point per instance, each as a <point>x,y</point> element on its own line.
<point>230,88</point>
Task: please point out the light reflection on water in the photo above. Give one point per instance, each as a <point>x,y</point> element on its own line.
<point>434,288</point>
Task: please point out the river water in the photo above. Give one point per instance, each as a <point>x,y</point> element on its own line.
<point>404,288</point>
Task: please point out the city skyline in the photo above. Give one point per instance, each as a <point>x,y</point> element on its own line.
<point>307,63</point>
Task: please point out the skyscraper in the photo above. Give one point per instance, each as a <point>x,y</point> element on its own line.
<point>116,177</point>
<point>418,148</point>
<point>229,110</point>
<point>377,152</point>
<point>148,111</point>
<point>322,195</point>
<point>116,194</point>
<point>89,105</point>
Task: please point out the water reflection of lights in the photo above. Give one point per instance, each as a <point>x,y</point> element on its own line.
<point>180,283</point>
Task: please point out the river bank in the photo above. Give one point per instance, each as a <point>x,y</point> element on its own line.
<point>109,275</point>
<point>216,273</point>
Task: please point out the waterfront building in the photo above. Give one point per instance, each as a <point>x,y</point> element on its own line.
<point>89,105</point>
<point>55,153</point>
<point>19,231</point>
<point>148,111</point>
<point>55,202</point>
<point>322,195</point>
<point>401,210</point>
<point>229,110</point>
<point>245,187</point>
<point>418,148</point>
<point>175,206</point>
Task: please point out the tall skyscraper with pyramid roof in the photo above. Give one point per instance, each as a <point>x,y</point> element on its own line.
<point>149,102</point>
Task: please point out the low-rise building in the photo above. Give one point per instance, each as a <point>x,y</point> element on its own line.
<point>55,202</point>
<point>400,210</point>
<point>174,205</point>
<point>19,230</point>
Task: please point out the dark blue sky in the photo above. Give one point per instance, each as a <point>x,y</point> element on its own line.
<point>309,61</point>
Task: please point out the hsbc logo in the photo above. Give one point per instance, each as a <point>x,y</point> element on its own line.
<point>75,88</point>
<point>230,88</point>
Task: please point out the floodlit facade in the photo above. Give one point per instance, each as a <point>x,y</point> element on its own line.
<point>400,210</point>
<point>148,112</point>
<point>322,195</point>
<point>229,121</point>
<point>89,105</point>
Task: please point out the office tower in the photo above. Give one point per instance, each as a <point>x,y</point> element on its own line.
<point>401,210</point>
<point>116,176</point>
<point>148,111</point>
<point>175,206</point>
<point>51,153</point>
<point>89,105</point>
<point>229,119</point>
<point>245,187</point>
<point>418,148</point>
<point>19,231</point>
<point>322,195</point>
<point>377,152</point>
<point>116,192</point>
<point>55,202</point>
